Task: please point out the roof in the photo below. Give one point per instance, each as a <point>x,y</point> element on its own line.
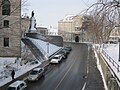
<point>57,55</point>
<point>16,83</point>
<point>41,28</point>
<point>68,18</point>
<point>37,69</point>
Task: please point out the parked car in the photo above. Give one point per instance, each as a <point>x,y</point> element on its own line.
<point>17,85</point>
<point>35,74</point>
<point>69,48</point>
<point>63,53</point>
<point>66,51</point>
<point>56,58</point>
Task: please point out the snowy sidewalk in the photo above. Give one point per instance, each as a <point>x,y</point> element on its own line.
<point>5,75</point>
<point>110,52</point>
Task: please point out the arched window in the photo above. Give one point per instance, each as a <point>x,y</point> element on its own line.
<point>5,7</point>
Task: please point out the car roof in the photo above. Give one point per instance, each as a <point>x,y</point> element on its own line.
<point>37,69</point>
<point>57,55</point>
<point>16,83</point>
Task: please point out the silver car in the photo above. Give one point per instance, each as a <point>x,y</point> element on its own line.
<point>17,85</point>
<point>35,74</point>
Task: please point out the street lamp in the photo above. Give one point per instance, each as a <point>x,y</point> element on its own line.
<point>47,47</point>
<point>119,37</point>
<point>119,48</point>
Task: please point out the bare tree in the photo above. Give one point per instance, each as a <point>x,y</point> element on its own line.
<point>105,16</point>
<point>24,6</point>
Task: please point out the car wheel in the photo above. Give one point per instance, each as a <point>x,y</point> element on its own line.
<point>36,79</point>
<point>25,88</point>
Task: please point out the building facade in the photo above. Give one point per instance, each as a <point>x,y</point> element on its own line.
<point>71,26</point>
<point>10,28</point>
<point>25,24</point>
<point>42,30</point>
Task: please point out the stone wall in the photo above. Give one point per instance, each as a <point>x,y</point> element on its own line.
<point>112,81</point>
<point>56,40</point>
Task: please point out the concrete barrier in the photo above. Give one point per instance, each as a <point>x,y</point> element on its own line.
<point>111,79</point>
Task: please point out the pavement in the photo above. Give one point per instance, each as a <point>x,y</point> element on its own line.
<point>94,78</point>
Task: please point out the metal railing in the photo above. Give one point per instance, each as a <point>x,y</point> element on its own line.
<point>114,63</point>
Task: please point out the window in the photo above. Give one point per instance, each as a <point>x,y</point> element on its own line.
<point>6,42</point>
<point>5,7</point>
<point>6,23</point>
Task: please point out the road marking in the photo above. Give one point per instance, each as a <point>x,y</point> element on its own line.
<point>87,68</point>
<point>64,76</point>
<point>84,86</point>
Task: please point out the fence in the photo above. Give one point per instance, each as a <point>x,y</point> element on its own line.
<point>115,64</point>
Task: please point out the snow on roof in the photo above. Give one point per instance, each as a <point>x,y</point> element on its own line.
<point>53,30</point>
<point>68,18</point>
<point>15,84</point>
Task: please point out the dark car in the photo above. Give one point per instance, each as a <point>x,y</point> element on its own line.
<point>68,48</point>
<point>64,54</point>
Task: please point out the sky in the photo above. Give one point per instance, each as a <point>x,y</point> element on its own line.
<point>49,12</point>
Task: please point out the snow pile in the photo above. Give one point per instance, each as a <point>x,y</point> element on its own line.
<point>46,48</point>
<point>111,54</point>
<point>113,51</point>
<point>6,68</point>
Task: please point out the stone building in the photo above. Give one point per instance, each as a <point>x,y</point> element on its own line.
<point>42,30</point>
<point>25,24</point>
<point>71,26</point>
<point>10,28</point>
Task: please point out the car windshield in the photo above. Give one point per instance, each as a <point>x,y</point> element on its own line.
<point>11,88</point>
<point>33,72</point>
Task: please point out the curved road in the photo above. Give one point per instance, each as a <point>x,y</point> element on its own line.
<point>67,75</point>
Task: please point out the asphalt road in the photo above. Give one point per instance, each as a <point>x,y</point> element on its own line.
<point>78,72</point>
<point>70,74</point>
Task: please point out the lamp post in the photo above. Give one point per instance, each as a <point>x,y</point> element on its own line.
<point>47,47</point>
<point>119,49</point>
<point>119,24</point>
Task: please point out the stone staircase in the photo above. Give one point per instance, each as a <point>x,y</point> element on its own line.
<point>36,52</point>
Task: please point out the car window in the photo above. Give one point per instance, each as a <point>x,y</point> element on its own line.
<point>40,70</point>
<point>11,88</point>
<point>55,57</point>
<point>33,72</point>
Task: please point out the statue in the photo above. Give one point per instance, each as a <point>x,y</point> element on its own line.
<point>32,14</point>
<point>32,28</point>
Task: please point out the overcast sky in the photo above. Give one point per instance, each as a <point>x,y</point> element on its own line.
<point>49,12</point>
